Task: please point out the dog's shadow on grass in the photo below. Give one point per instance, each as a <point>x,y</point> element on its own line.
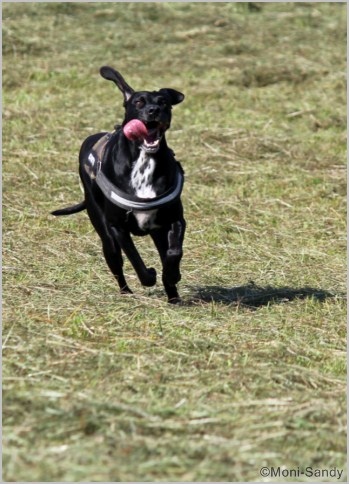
<point>252,296</point>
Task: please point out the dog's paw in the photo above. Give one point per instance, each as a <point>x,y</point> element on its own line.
<point>175,300</point>
<point>125,290</point>
<point>149,279</point>
<point>172,294</point>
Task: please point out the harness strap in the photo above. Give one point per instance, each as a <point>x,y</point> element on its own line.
<point>129,202</point>
<point>100,146</point>
<point>125,200</point>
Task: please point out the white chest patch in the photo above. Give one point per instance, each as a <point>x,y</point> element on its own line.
<point>142,182</point>
<point>142,176</point>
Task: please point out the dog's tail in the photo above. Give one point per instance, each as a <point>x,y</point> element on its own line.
<point>70,210</point>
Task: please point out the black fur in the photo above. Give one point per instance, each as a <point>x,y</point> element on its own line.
<point>114,224</point>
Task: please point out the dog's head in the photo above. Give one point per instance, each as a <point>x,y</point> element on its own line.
<point>152,108</point>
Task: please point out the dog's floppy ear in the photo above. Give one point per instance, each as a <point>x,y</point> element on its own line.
<point>112,75</point>
<point>175,97</point>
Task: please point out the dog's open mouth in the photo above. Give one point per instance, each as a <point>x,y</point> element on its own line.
<point>147,133</point>
<point>155,131</point>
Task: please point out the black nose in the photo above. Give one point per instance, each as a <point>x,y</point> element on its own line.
<point>153,110</point>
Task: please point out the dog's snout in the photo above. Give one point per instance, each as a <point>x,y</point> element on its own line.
<point>153,110</point>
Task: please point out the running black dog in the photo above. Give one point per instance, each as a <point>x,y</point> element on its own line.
<point>132,184</point>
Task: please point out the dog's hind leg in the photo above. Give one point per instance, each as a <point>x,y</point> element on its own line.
<point>147,276</point>
<point>169,244</point>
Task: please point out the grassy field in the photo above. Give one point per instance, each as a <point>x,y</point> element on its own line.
<point>250,371</point>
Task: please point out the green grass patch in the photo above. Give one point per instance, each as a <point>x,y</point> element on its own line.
<point>250,371</point>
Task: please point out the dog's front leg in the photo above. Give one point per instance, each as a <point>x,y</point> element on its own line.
<point>169,243</point>
<point>147,276</point>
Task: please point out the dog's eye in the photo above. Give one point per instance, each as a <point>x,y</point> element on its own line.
<point>163,102</point>
<point>140,103</point>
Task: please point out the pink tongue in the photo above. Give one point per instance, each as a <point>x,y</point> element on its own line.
<point>135,129</point>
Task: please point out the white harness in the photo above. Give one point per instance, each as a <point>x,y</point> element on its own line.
<point>117,196</point>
